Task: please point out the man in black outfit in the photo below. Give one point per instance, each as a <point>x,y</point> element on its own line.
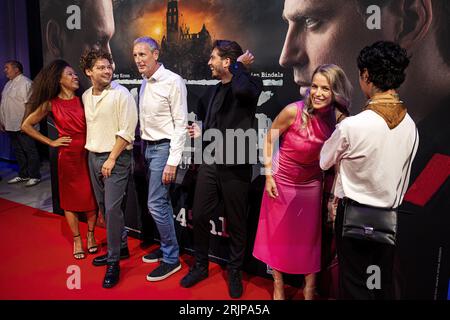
<point>231,106</point>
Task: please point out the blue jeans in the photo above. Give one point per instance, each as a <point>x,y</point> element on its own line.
<point>159,203</point>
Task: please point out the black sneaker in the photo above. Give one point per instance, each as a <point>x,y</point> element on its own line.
<point>235,284</point>
<point>195,275</point>
<point>163,271</point>
<point>153,257</point>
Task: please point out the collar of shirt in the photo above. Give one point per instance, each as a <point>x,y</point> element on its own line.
<point>157,75</point>
<point>111,86</point>
<point>15,81</point>
<point>18,78</point>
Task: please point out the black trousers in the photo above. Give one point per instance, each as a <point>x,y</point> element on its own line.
<point>354,257</point>
<point>230,184</point>
<point>26,154</point>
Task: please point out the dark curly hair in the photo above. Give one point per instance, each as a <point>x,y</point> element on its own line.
<point>89,57</point>
<point>228,49</point>
<point>385,63</point>
<point>46,86</point>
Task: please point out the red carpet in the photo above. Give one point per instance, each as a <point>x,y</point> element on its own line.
<point>37,250</point>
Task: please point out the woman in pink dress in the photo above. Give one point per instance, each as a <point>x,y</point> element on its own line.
<point>53,93</point>
<point>289,231</point>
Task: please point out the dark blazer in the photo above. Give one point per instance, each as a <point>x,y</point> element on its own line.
<point>237,111</point>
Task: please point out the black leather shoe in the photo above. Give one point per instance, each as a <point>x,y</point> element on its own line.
<point>195,275</point>
<point>235,283</point>
<point>103,259</point>
<point>112,275</point>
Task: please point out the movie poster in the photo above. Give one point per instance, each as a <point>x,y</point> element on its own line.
<point>289,39</point>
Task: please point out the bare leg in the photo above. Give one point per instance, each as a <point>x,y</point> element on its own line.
<point>72,221</point>
<point>91,221</point>
<point>310,286</point>
<point>278,285</point>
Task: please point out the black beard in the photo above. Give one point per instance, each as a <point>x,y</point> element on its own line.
<point>215,76</point>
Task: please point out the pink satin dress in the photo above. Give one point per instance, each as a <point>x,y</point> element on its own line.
<point>289,231</point>
<point>75,189</point>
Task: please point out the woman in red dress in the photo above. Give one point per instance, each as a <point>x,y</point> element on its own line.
<point>53,93</point>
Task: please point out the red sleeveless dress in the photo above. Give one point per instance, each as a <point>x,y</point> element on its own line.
<point>75,189</point>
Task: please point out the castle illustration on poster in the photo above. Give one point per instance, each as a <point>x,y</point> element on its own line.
<point>182,51</point>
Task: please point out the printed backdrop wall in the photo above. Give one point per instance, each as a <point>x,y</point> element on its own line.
<point>289,40</point>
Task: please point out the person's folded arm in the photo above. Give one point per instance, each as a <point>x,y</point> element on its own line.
<point>178,110</point>
<point>334,148</point>
<point>28,127</point>
<point>244,86</point>
<point>127,118</point>
<point>125,135</point>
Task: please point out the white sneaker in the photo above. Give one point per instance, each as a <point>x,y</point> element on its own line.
<point>32,182</point>
<point>17,180</point>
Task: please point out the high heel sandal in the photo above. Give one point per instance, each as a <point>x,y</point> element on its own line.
<point>92,249</point>
<point>79,254</point>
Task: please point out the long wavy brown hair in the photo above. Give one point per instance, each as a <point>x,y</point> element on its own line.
<point>46,86</point>
<point>340,86</point>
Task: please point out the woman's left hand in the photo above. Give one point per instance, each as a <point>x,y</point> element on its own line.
<point>271,187</point>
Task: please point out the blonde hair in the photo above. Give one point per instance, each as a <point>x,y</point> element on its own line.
<point>340,87</point>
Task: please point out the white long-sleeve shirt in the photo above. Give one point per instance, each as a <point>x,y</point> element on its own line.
<point>371,159</point>
<point>14,96</point>
<point>112,114</point>
<point>163,111</point>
